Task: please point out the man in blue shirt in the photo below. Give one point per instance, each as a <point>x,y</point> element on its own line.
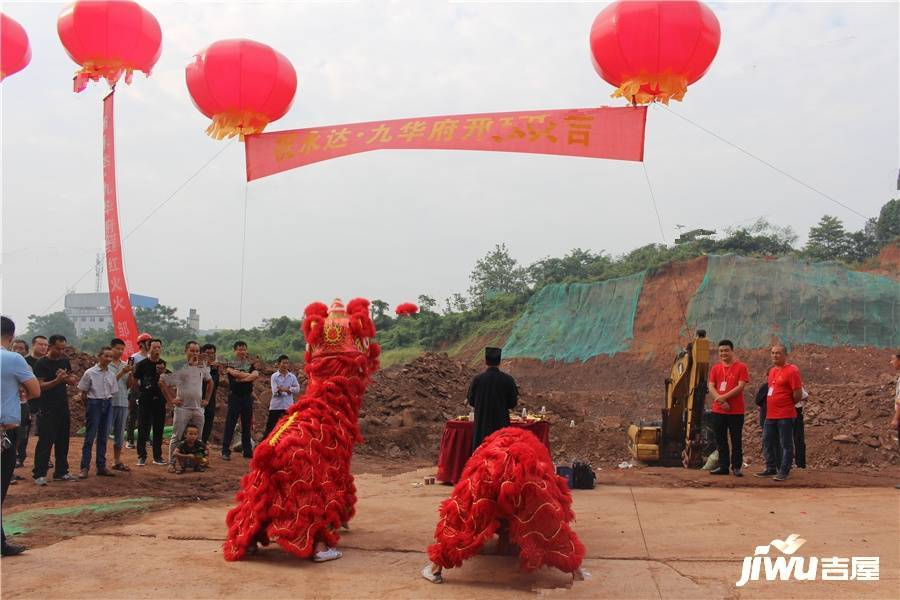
<point>285,388</point>
<point>14,373</point>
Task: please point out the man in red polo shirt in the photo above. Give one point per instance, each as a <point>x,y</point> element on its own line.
<point>727,379</point>
<point>785,390</point>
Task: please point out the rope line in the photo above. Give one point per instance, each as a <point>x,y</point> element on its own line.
<point>142,223</point>
<point>767,163</point>
<point>243,256</point>
<point>682,305</point>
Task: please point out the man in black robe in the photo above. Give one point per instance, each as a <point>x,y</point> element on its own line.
<point>493,394</point>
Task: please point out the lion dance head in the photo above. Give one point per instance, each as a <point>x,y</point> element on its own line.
<point>299,490</point>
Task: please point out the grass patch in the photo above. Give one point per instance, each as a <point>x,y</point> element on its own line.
<point>21,522</point>
<point>494,333</point>
<point>400,355</point>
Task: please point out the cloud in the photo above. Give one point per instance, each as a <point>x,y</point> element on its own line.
<point>810,87</point>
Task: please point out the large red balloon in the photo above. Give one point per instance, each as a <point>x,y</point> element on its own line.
<point>651,51</point>
<point>241,85</point>
<point>109,38</point>
<point>15,53</point>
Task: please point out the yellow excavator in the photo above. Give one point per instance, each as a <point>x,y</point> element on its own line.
<point>678,438</point>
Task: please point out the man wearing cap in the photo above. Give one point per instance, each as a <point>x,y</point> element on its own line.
<point>143,341</point>
<point>493,394</point>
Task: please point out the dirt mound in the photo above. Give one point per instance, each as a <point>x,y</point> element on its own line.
<point>887,262</point>
<point>406,406</point>
<point>659,325</point>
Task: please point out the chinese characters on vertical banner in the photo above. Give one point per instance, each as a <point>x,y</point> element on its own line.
<point>614,133</point>
<point>119,301</point>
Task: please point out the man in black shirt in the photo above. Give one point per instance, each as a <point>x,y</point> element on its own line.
<point>30,409</point>
<point>151,403</point>
<point>493,394</point>
<point>208,353</point>
<point>240,401</point>
<point>55,373</point>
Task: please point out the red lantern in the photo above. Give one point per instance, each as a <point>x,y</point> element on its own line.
<point>406,309</point>
<point>15,53</point>
<point>108,39</point>
<point>241,85</point>
<point>651,51</point>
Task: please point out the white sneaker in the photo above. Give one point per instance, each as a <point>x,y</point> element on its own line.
<point>326,555</point>
<point>160,462</point>
<point>431,576</point>
<point>40,481</point>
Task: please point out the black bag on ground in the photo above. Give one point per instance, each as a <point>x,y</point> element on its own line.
<point>582,476</point>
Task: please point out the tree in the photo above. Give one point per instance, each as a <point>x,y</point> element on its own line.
<point>577,265</point>
<point>426,303</point>
<point>161,322</point>
<point>50,324</point>
<point>459,302</point>
<point>280,325</point>
<point>496,273</point>
<point>828,240</point>
<point>761,238</point>
<point>861,245</point>
<point>887,227</point>
<point>378,308</point>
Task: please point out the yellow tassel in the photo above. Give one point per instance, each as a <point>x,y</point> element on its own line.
<point>662,88</point>
<point>273,439</point>
<point>111,72</point>
<point>240,123</point>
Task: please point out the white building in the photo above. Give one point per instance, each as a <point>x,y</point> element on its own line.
<point>91,311</point>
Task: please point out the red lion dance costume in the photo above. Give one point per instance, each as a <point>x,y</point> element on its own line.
<point>510,480</point>
<point>299,490</point>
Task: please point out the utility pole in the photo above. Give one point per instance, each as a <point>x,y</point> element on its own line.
<point>98,271</point>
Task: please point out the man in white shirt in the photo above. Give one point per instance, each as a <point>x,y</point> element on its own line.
<point>119,407</point>
<point>189,397</point>
<point>285,388</point>
<point>98,385</point>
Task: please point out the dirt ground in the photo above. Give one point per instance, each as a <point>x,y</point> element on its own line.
<point>642,542</point>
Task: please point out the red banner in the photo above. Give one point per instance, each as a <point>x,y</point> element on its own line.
<point>124,324</point>
<point>606,132</point>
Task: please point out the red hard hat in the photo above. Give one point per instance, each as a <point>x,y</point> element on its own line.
<point>144,337</point>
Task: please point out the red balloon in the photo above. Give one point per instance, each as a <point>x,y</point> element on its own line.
<point>241,85</point>
<point>109,38</point>
<point>406,309</point>
<point>651,51</point>
<point>15,53</point>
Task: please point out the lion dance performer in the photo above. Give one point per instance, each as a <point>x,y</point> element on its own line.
<point>508,485</point>
<point>299,490</point>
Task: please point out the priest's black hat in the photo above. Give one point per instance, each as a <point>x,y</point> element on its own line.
<point>492,355</point>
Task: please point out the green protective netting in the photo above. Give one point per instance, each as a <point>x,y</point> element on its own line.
<point>751,301</point>
<point>575,321</point>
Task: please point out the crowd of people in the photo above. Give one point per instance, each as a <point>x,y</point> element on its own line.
<point>122,395</point>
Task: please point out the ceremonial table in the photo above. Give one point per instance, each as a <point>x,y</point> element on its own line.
<point>456,445</point>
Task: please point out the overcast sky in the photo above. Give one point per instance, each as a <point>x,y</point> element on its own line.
<point>810,87</point>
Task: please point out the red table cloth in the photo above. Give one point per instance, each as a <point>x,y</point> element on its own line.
<point>456,446</point>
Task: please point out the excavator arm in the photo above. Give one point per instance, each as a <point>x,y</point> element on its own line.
<point>677,440</point>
